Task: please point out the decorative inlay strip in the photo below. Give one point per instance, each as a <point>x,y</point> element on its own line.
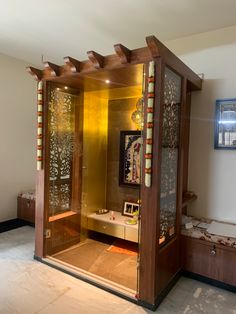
<point>149,124</point>
<point>40,126</point>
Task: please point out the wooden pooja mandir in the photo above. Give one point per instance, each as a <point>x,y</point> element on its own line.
<point>64,177</point>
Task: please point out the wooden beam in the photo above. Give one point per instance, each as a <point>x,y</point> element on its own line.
<point>96,59</point>
<point>139,55</point>
<point>157,49</point>
<point>154,50</point>
<point>75,65</point>
<point>153,45</point>
<point>123,53</point>
<point>36,73</point>
<point>55,69</point>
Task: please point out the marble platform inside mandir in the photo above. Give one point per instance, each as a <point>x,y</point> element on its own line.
<point>28,286</point>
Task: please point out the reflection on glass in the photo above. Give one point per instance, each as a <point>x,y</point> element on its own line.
<point>225,136</point>
<point>169,158</point>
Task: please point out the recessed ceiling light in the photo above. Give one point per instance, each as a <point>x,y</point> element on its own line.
<point>107,81</point>
<point>66,87</point>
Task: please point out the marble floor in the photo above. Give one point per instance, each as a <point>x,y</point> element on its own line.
<point>29,287</point>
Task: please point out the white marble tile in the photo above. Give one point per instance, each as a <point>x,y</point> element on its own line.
<point>193,297</point>
<point>28,286</point>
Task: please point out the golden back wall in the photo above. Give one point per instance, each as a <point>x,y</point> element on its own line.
<point>106,112</point>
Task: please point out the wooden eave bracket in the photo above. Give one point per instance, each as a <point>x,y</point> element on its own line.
<point>123,53</point>
<point>158,49</point>
<point>75,65</point>
<point>153,45</point>
<point>96,59</point>
<point>54,68</point>
<point>36,73</point>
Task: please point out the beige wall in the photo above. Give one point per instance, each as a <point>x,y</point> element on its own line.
<point>212,173</point>
<point>17,133</point>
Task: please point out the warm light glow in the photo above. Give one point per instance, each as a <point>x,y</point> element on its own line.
<point>58,88</point>
<point>137,116</point>
<point>95,132</point>
<point>66,87</point>
<point>107,81</point>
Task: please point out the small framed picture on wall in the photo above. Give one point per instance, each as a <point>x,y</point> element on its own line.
<point>225,124</point>
<point>130,158</point>
<point>130,209</point>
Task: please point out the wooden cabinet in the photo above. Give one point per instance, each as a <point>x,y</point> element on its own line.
<point>106,227</point>
<point>131,234</point>
<point>209,259</point>
<point>116,228</point>
<point>26,209</point>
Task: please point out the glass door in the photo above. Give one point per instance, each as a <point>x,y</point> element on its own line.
<point>93,179</point>
<point>63,196</point>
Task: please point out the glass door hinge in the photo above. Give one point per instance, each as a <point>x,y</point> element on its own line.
<point>47,233</point>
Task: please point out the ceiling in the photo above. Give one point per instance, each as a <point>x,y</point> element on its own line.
<point>58,28</point>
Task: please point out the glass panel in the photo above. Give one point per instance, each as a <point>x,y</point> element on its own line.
<point>92,206</point>
<point>62,206</point>
<point>169,158</point>
<point>61,127</point>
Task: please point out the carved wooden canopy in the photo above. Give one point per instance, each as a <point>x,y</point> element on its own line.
<point>122,57</point>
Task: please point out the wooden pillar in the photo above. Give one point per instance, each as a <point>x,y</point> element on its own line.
<point>150,196</point>
<point>40,181</point>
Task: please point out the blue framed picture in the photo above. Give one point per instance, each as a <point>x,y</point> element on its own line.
<point>225,124</point>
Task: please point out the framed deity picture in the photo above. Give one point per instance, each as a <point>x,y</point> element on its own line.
<point>130,158</point>
<point>129,209</point>
<point>225,124</point>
